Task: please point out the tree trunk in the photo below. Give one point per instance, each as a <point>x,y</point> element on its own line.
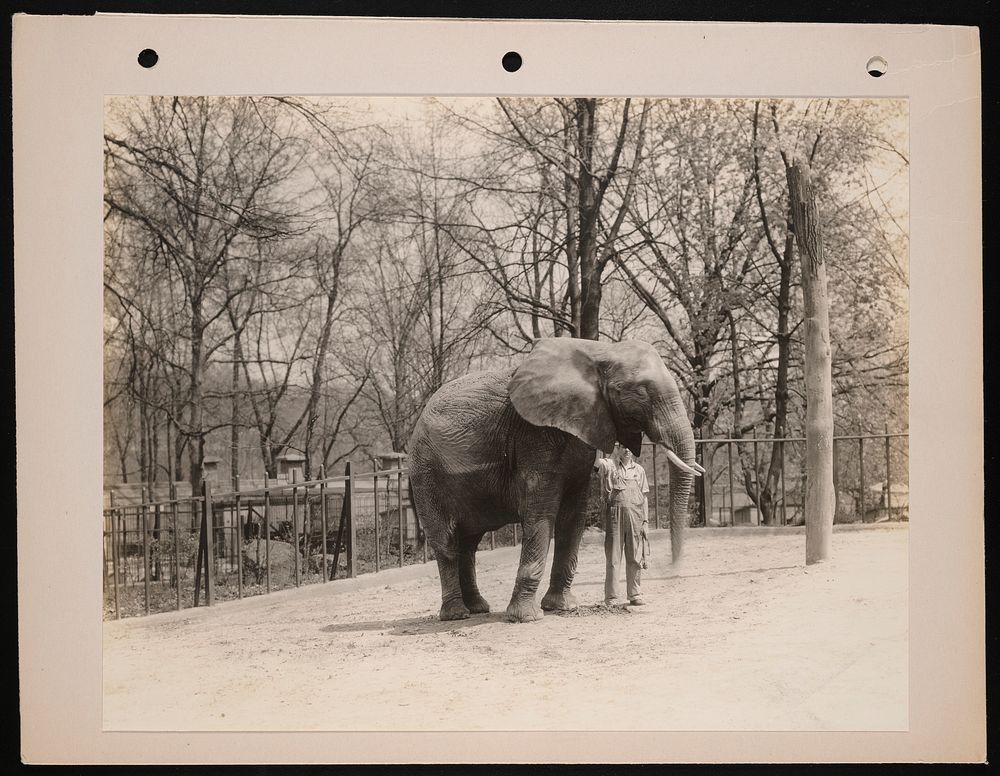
<point>234,437</point>
<point>196,452</point>
<point>588,206</point>
<point>819,506</point>
<point>312,415</point>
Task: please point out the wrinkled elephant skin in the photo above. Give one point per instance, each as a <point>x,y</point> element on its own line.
<point>518,446</point>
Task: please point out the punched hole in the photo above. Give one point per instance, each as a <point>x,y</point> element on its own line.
<point>147,58</point>
<point>877,67</point>
<point>511,61</point>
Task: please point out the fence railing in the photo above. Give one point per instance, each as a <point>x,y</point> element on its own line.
<point>216,546</point>
<point>208,547</point>
<point>761,481</point>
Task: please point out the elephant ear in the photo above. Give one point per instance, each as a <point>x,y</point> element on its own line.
<point>559,384</point>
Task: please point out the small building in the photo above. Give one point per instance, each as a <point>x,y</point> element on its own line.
<point>885,502</point>
<point>291,466</point>
<point>210,468</point>
<point>388,461</point>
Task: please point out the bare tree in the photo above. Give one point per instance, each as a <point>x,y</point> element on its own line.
<point>200,176</point>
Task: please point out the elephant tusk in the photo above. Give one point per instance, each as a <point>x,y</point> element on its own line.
<point>698,467</point>
<point>686,468</point>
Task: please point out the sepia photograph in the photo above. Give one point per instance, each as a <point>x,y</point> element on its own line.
<point>491,391</point>
<point>505,413</point>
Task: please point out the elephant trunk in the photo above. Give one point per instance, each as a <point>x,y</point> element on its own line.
<point>676,434</point>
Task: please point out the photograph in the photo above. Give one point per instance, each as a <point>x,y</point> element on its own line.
<point>505,413</point>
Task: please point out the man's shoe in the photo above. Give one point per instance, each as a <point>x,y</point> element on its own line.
<point>636,601</point>
<point>612,602</point>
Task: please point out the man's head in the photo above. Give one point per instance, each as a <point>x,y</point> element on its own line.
<point>622,454</point>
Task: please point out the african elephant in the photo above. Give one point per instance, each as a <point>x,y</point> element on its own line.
<point>518,445</point>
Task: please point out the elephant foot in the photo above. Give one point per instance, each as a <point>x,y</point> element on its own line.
<point>523,611</point>
<point>562,601</point>
<point>477,604</point>
<point>453,610</point>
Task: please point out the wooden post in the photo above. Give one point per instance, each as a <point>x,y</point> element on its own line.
<point>204,564</point>
<point>267,534</point>
<point>352,544</point>
<point>295,523</point>
<point>784,495</point>
<point>322,514</point>
<point>756,478</point>
<point>105,539</point>
<point>375,498</point>
<point>861,472</point>
<point>399,507</point>
<point>177,546</point>
<point>114,554</point>
<point>820,498</point>
<point>345,507</point>
<point>888,477</point>
<point>144,518</point>
<point>732,493</point>
<point>210,546</point>
<point>836,482</point>
<point>238,542</point>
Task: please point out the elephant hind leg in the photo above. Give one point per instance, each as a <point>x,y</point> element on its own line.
<point>452,605</point>
<point>440,534</point>
<point>471,597</point>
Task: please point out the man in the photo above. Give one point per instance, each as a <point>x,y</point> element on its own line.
<point>626,522</point>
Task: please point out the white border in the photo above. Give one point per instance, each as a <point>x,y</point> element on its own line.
<point>64,66</point>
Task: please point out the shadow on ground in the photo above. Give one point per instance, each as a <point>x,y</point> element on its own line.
<point>682,575</point>
<point>415,626</point>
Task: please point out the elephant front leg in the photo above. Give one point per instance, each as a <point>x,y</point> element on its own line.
<point>534,548</point>
<point>569,531</point>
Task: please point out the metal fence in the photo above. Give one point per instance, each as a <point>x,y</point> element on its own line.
<point>198,550</point>
<point>187,551</point>
<point>742,487</point>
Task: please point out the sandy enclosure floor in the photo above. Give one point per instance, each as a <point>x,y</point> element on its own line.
<point>743,637</point>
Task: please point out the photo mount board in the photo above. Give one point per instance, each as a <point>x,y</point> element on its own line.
<point>64,67</point>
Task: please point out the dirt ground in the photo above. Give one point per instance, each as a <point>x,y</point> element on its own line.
<point>743,637</point>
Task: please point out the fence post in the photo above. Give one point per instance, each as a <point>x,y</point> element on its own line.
<point>375,498</point>
<point>352,554</point>
<point>207,525</point>
<point>784,495</point>
<point>177,547</point>
<point>861,472</point>
<point>322,515</point>
<point>143,516</point>
<point>238,542</point>
<point>836,482</point>
<point>105,539</point>
<point>888,477</point>
<point>399,508</point>
<point>732,500</point>
<point>295,523</point>
<point>756,478</point>
<point>656,491</point>
<point>267,534</point>
<point>114,555</point>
